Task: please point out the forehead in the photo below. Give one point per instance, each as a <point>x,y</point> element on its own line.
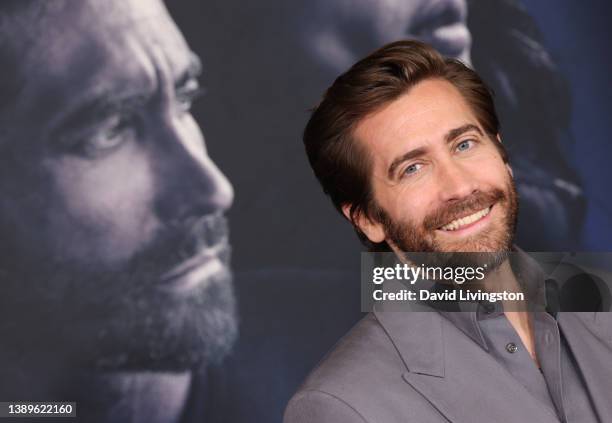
<point>69,48</point>
<point>416,119</point>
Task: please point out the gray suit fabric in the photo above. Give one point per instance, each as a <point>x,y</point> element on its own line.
<point>403,367</point>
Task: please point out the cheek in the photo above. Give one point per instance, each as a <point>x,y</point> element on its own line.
<point>404,203</point>
<point>102,208</point>
<point>491,170</point>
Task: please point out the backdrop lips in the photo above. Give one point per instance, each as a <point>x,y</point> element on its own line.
<point>180,246</point>
<point>443,24</point>
<point>201,258</point>
<point>437,14</point>
<point>451,40</point>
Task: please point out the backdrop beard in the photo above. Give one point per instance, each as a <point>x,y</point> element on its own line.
<point>419,246</point>
<point>122,318</point>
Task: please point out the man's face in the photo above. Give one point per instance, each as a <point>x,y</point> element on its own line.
<point>438,180</point>
<point>341,31</point>
<point>111,210</point>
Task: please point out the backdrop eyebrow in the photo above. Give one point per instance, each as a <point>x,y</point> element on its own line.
<point>98,107</point>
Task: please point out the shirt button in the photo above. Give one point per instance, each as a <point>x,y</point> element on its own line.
<point>548,337</point>
<point>511,347</point>
<point>488,308</point>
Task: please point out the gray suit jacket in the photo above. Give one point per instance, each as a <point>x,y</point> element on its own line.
<point>397,367</point>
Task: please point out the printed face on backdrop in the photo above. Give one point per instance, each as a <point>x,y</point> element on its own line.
<point>342,31</point>
<point>111,210</point>
<point>438,180</point>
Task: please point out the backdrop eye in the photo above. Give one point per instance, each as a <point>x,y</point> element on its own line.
<point>188,94</point>
<point>105,140</point>
<point>110,134</point>
<point>101,138</point>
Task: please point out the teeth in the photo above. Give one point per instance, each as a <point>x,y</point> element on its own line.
<point>458,223</point>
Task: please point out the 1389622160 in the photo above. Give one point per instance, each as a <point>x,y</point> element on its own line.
<point>38,409</point>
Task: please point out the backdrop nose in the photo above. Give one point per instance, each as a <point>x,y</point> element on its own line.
<point>190,183</point>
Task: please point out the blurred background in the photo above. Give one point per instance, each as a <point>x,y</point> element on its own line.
<point>266,64</point>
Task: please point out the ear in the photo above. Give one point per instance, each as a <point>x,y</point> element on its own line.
<point>372,229</point>
<point>507,164</point>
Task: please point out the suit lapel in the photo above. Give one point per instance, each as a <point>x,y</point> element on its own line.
<point>588,337</point>
<point>461,380</point>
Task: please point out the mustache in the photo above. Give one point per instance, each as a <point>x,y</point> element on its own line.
<point>198,233</point>
<point>180,240</point>
<point>469,205</point>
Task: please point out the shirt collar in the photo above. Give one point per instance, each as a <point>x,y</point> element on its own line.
<point>532,279</point>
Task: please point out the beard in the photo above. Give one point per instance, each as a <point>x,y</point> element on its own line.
<point>120,318</point>
<point>418,243</point>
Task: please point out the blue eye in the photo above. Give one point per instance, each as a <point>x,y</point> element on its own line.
<point>465,145</point>
<point>412,169</point>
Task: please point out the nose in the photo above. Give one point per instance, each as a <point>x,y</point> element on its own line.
<point>455,182</point>
<point>189,182</point>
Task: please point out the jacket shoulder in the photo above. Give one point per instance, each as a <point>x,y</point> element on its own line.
<point>365,351</point>
<point>317,406</point>
<point>340,387</point>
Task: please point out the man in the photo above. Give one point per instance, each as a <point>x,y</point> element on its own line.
<point>407,146</point>
<point>116,290</point>
<point>502,42</point>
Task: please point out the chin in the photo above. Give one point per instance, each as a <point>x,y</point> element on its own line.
<point>138,328</point>
<point>173,333</point>
<point>477,246</point>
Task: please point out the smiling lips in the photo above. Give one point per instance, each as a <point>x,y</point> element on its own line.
<point>466,220</point>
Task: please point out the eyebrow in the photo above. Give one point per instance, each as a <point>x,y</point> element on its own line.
<point>420,151</point>
<point>100,106</point>
<point>106,103</point>
<point>457,132</point>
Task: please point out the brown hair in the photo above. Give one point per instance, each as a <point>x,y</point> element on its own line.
<point>339,162</point>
